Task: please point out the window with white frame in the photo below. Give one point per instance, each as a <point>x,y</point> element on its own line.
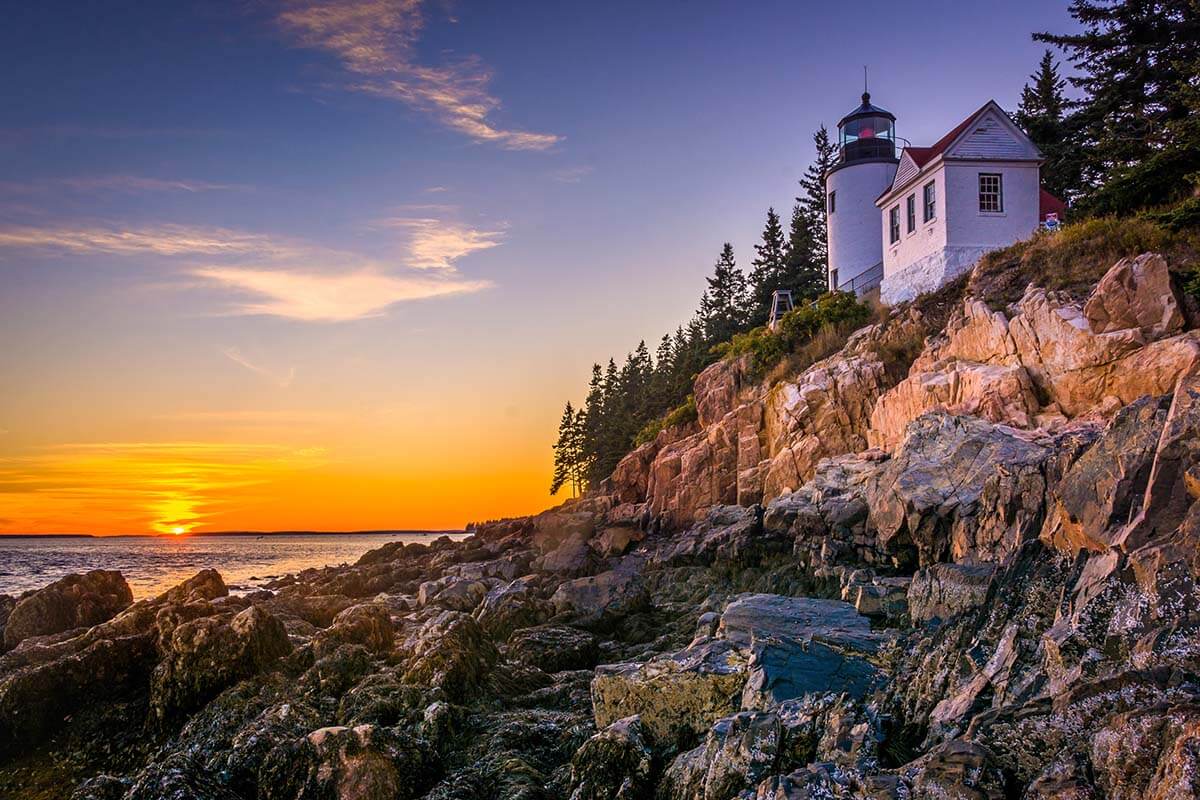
<point>894,224</point>
<point>832,202</point>
<point>991,192</point>
<point>930,198</point>
<point>910,212</point>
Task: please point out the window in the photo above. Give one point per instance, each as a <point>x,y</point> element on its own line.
<point>991,192</point>
<point>894,224</point>
<point>832,202</point>
<point>910,212</point>
<point>930,202</point>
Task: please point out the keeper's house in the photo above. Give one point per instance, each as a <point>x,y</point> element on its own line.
<point>938,208</point>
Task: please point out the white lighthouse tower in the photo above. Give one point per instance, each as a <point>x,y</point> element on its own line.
<point>866,164</point>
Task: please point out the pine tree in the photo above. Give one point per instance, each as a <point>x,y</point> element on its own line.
<point>1042,115</point>
<point>1134,57</point>
<point>803,271</point>
<point>812,196</point>
<point>768,269</point>
<point>567,454</point>
<point>723,305</point>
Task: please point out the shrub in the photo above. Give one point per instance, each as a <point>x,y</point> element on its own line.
<point>681,415</point>
<point>839,311</point>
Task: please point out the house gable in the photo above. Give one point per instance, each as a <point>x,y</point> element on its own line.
<point>992,136</point>
<point>907,169</point>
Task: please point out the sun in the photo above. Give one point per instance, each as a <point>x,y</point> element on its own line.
<point>178,530</point>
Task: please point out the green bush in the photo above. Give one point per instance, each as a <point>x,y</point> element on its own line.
<point>681,415</point>
<point>766,348</point>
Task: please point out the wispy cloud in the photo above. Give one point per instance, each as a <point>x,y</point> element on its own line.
<point>437,244</point>
<point>571,174</point>
<point>334,297</point>
<point>283,381</point>
<point>376,41</point>
<point>284,277</point>
<point>162,240</point>
<point>130,184</point>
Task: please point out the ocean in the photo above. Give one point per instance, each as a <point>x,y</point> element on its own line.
<point>152,564</point>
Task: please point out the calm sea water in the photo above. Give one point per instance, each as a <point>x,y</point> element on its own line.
<point>153,564</point>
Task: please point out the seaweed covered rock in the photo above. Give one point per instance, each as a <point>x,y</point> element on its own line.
<point>203,656</point>
<point>554,648</point>
<point>453,653</point>
<point>677,697</point>
<point>76,601</point>
<point>360,763</point>
<point>615,764</point>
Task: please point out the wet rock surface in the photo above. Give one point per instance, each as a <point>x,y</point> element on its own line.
<point>997,600</point>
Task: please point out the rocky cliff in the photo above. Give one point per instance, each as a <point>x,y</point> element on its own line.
<point>956,559</point>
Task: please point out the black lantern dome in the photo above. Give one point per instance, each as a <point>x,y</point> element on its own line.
<point>868,133</point>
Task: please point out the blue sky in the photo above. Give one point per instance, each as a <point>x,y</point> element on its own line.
<point>217,219</point>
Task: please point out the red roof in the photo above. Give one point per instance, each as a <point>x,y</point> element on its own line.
<point>1049,204</point>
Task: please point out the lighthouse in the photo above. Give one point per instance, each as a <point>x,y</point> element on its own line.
<point>865,166</point>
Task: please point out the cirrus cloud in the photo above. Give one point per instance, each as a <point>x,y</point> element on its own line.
<point>329,297</point>
<point>375,40</point>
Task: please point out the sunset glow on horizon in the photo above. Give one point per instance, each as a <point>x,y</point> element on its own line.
<point>336,266</point>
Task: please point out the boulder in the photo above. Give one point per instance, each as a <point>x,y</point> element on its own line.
<point>606,597</point>
<point>956,769</point>
<point>615,764</point>
<point>76,601</point>
<point>996,392</point>
<point>615,540</point>
<point>452,592</point>
<point>800,646</point>
<point>676,696</point>
<point>1103,489</point>
<point>1174,480</point>
<point>203,656</point>
<point>554,648</point>
<point>453,653</point>
<point>360,763</point>
<point>510,607</point>
<point>942,591</point>
<point>959,489</point>
<point>727,534</point>
<point>1136,293</point>
<point>367,624</point>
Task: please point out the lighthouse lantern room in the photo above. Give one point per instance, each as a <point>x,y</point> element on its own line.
<point>865,167</point>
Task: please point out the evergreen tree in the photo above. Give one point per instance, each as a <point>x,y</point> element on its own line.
<point>1042,114</point>
<point>803,270</point>
<point>723,305</point>
<point>768,269</point>
<point>812,196</point>
<point>1135,57</point>
<point>568,453</point>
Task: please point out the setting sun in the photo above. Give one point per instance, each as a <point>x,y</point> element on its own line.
<point>177,530</point>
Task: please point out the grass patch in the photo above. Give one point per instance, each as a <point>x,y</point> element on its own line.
<point>1076,257</point>
<point>898,352</point>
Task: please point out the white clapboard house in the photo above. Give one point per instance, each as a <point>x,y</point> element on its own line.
<point>908,219</point>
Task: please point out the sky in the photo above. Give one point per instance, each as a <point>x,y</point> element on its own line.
<point>337,265</point>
